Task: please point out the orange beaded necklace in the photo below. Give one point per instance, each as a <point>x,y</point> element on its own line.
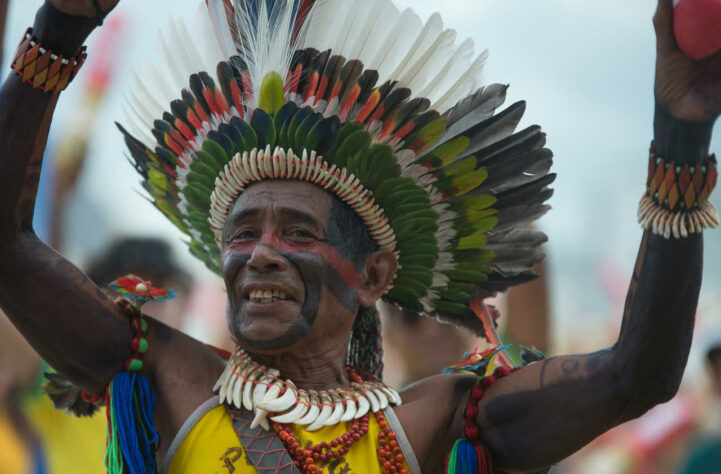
<point>390,455</point>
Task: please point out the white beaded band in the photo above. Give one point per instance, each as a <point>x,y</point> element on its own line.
<point>259,165</point>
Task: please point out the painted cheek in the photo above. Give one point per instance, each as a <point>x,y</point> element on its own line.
<point>345,269</point>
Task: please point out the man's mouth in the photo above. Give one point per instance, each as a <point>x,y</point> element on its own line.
<point>267,296</point>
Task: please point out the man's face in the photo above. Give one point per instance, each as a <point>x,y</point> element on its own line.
<point>283,274</point>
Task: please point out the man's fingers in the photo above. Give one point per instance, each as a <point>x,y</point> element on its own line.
<point>663,23</point>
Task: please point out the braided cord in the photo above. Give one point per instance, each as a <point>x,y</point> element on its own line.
<point>365,348</point>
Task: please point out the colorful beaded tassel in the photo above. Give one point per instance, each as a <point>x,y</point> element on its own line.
<point>130,402</point>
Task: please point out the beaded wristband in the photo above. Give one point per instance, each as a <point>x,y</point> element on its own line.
<point>44,69</point>
<point>471,430</point>
<point>676,199</point>
<point>139,344</point>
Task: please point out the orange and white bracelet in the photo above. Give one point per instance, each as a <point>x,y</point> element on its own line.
<point>44,69</point>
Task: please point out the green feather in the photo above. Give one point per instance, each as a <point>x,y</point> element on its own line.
<point>474,227</point>
<point>418,289</point>
<point>393,185</point>
<point>461,167</point>
<point>204,169</point>
<point>301,133</point>
<point>200,179</point>
<point>456,296</point>
<point>405,298</point>
<point>477,202</point>
<point>272,96</point>
<point>263,125</point>
<point>209,159</point>
<point>218,153</point>
<point>422,260</point>
<point>346,130</point>
<point>453,308</point>
<point>446,153</point>
<point>250,138</point>
<point>197,197</point>
<point>355,144</point>
<point>473,241</point>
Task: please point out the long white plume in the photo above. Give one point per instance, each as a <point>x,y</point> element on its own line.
<point>400,46</point>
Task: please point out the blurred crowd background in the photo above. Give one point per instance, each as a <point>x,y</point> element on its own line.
<point>586,71</point>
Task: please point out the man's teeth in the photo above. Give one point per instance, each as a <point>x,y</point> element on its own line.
<point>266,296</point>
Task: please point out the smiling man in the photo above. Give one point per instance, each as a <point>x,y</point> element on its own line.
<point>337,158</point>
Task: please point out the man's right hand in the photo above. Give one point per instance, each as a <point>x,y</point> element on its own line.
<point>84,7</point>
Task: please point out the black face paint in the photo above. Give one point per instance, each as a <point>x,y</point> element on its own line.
<point>314,271</point>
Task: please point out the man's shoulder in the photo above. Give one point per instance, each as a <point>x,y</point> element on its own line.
<point>431,414</point>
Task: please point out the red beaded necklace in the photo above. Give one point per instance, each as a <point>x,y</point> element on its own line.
<point>307,459</point>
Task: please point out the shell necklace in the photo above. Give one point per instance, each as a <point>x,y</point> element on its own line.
<point>250,385</point>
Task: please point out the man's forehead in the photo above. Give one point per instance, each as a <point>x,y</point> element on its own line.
<point>305,197</point>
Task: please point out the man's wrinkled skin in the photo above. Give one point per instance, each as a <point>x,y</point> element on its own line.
<point>530,419</point>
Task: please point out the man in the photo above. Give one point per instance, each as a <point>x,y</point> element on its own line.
<point>300,265</point>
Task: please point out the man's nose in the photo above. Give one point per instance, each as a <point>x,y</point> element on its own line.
<point>265,258</point>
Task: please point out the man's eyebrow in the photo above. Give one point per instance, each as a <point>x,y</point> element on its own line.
<point>240,215</point>
<point>301,216</point>
<point>287,211</point>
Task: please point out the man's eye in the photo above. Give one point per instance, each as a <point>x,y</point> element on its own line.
<point>301,234</point>
<point>244,234</point>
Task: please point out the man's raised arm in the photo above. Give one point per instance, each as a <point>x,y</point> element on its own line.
<point>66,318</point>
<point>543,413</point>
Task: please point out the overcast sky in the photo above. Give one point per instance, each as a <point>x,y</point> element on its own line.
<point>586,70</point>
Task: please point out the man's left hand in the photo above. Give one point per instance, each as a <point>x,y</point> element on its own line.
<point>689,89</point>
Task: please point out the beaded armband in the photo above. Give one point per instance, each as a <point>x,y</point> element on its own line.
<point>42,68</point>
<point>676,199</point>
<point>470,455</point>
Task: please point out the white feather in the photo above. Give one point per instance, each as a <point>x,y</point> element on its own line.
<point>219,19</point>
<point>424,39</point>
<point>427,65</point>
<point>323,23</point>
<point>397,43</point>
<point>386,14</point>
<point>267,45</point>
<point>463,85</point>
<point>456,64</point>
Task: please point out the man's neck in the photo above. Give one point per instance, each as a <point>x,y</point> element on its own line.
<point>321,368</point>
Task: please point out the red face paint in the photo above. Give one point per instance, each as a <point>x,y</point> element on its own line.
<point>275,241</point>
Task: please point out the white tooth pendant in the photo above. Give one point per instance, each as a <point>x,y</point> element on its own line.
<point>363,405</point>
<point>325,412</point>
<point>225,388</point>
<point>393,396</point>
<point>350,407</point>
<point>381,398</point>
<point>338,409</point>
<point>235,391</point>
<point>271,394</point>
<point>282,402</point>
<point>261,388</point>
<point>253,373</point>
<point>262,385</point>
<point>301,408</point>
<point>226,373</point>
<point>375,404</point>
<point>312,414</point>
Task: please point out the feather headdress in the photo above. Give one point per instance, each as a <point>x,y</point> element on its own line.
<point>368,102</point>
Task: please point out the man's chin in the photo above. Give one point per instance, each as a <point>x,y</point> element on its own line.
<point>270,331</point>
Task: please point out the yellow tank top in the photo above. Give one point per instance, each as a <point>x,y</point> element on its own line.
<point>212,446</point>
<point>14,456</point>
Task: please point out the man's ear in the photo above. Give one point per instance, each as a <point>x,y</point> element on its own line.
<point>378,273</point>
